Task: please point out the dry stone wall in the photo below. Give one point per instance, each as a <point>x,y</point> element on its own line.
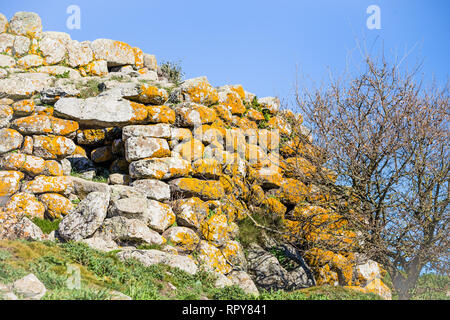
<point>93,133</point>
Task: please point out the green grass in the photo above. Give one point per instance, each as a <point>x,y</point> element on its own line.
<point>88,89</point>
<point>172,71</point>
<point>46,225</point>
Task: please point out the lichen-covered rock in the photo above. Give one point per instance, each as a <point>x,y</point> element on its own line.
<point>25,229</point>
<point>191,187</point>
<point>102,154</point>
<point>160,168</point>
<point>130,230</point>
<point>190,212</point>
<point>158,216</point>
<point>28,204</point>
<point>3,23</point>
<point>6,114</point>
<point>145,147</point>
<point>193,114</point>
<point>31,165</point>
<point>21,46</point>
<point>78,53</point>
<point>82,187</point>
<point>234,254</point>
<point>9,140</point>
<point>7,61</point>
<point>150,61</point>
<point>46,184</point>
<point>151,95</point>
<point>23,108</point>
<point>185,239</point>
<point>10,182</point>
<point>97,68</point>
<point>232,101</point>
<point>97,137</point>
<point>216,229</point>
<point>160,114</point>
<point>52,49</point>
<point>160,130</point>
<point>86,218</point>
<point>23,85</point>
<point>115,53</point>
<point>151,257</point>
<point>270,103</point>
<point>243,281</point>
<point>26,24</point>
<point>191,151</point>
<point>211,258</point>
<point>207,168</point>
<point>57,206</point>
<point>60,71</point>
<point>30,61</point>
<point>43,124</point>
<point>53,147</point>
<point>199,90</point>
<point>153,189</point>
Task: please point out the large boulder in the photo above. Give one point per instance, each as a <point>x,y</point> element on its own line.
<point>26,24</point>
<point>24,85</point>
<point>115,53</point>
<point>151,257</point>
<point>268,273</point>
<point>87,217</point>
<point>130,230</point>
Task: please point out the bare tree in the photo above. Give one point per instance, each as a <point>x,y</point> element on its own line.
<point>387,139</point>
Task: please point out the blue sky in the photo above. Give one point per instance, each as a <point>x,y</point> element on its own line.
<point>259,43</point>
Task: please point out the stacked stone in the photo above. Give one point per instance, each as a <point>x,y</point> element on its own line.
<point>185,163</point>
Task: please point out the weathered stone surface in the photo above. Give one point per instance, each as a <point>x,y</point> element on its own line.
<point>53,147</point>
<point>160,130</point>
<point>115,53</point>
<point>25,229</point>
<point>190,212</point>
<point>270,103</point>
<point>160,168</point>
<point>10,182</point>
<point>27,203</point>
<point>150,61</point>
<point>6,114</point>
<point>3,23</point>
<point>234,254</point>
<point>60,71</point>
<point>9,140</point>
<point>43,124</point>
<point>45,184</point>
<point>57,206</point>
<point>53,49</point>
<point>211,259</point>
<point>29,287</point>
<point>216,229</point>
<point>105,110</point>
<point>21,45</point>
<point>130,230</point>
<point>160,114</point>
<point>159,216</point>
<point>185,239</point>
<point>79,53</point>
<point>191,187</point>
<point>153,189</point>
<point>120,192</point>
<point>128,206</point>
<point>26,24</point>
<point>151,257</point>
<point>243,281</point>
<point>23,85</point>
<point>149,94</point>
<point>199,90</point>
<point>82,187</point>
<point>87,217</point>
<point>193,114</point>
<point>145,147</point>
<point>28,164</point>
<point>97,68</point>
<point>101,242</point>
<point>7,61</point>
<point>30,61</point>
<point>269,274</point>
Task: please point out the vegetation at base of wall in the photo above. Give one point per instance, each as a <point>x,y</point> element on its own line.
<point>46,225</point>
<point>102,274</point>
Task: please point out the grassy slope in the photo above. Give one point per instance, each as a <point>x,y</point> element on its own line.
<point>103,272</point>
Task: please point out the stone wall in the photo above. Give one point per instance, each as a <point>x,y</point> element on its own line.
<point>94,134</point>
